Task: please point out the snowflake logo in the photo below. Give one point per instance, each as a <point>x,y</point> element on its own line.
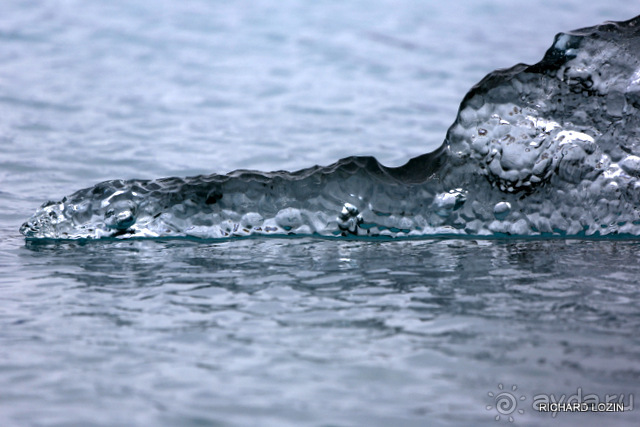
<point>505,402</point>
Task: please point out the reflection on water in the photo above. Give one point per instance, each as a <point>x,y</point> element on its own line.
<point>315,331</point>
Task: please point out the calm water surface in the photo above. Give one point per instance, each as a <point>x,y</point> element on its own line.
<point>283,331</point>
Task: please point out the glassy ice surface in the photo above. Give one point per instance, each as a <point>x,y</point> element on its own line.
<point>549,149</point>
<point>283,331</point>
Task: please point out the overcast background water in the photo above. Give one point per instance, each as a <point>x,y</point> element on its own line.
<point>284,331</point>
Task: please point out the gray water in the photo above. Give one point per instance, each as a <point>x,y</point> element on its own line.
<point>283,331</point>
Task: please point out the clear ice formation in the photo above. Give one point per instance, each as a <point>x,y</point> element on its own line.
<point>550,149</point>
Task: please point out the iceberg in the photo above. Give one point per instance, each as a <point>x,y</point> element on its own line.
<point>550,149</point>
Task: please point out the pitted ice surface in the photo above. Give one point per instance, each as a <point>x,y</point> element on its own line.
<point>545,149</point>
